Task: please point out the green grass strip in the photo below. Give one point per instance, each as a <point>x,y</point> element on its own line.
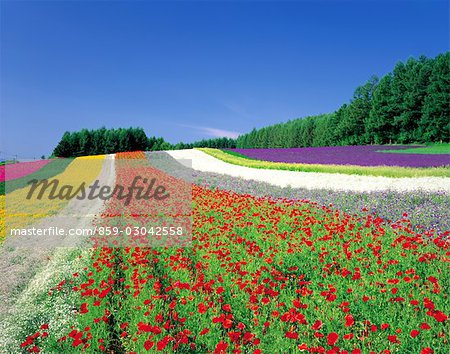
<point>439,149</point>
<point>51,169</point>
<point>238,154</point>
<point>385,171</point>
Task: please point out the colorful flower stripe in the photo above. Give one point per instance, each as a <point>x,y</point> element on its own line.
<point>427,211</point>
<point>141,212</point>
<point>54,167</point>
<point>348,155</point>
<point>385,171</point>
<point>19,212</point>
<point>16,170</point>
<point>263,277</point>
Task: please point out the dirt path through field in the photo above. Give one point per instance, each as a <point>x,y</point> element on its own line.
<point>201,161</point>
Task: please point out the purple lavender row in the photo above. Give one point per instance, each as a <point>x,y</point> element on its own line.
<point>348,155</point>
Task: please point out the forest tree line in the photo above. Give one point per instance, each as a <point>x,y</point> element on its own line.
<point>409,105</point>
<point>107,141</point>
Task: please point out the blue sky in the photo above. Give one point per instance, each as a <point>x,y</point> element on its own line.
<point>191,70</point>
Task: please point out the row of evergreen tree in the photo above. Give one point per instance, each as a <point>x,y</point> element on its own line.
<point>106,141</point>
<point>101,141</point>
<point>217,143</point>
<point>409,105</point>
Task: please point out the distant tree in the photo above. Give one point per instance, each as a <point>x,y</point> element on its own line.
<point>106,141</point>
<point>434,124</point>
<point>86,146</point>
<point>64,147</point>
<point>140,140</point>
<point>351,118</point>
<point>158,144</point>
<point>380,128</point>
<point>416,79</point>
<point>324,131</point>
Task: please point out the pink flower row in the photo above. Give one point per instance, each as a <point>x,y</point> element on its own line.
<point>17,170</point>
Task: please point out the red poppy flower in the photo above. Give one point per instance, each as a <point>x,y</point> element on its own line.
<point>84,308</point>
<point>291,335</point>
<point>393,339</point>
<point>221,347</point>
<point>440,316</point>
<point>297,304</point>
<point>234,336</point>
<point>317,325</point>
<point>162,344</point>
<point>148,344</point>
<point>303,347</point>
<point>332,338</point>
<point>424,326</point>
<point>414,333</point>
<point>226,308</point>
<point>202,308</point>
<point>433,280</point>
<point>349,321</point>
<point>427,350</point>
<point>384,326</point>
<point>204,331</point>
<point>248,336</point>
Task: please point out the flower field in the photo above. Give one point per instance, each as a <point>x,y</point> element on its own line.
<point>236,158</point>
<point>18,211</point>
<point>259,275</point>
<point>428,211</point>
<point>369,155</point>
<point>51,169</point>
<point>13,171</point>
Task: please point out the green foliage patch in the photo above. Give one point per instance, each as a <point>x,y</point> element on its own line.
<point>440,149</point>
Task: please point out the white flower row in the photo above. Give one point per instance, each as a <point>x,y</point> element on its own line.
<point>201,161</point>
